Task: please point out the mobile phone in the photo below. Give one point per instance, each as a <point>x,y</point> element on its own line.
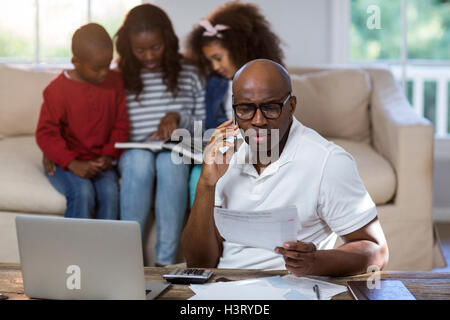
<point>234,138</point>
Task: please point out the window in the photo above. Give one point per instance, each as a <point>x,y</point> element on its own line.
<point>413,36</point>
<point>111,16</point>
<point>36,31</point>
<point>369,41</point>
<point>17,39</point>
<point>57,22</point>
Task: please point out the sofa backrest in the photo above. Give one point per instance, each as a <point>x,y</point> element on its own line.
<point>334,102</point>
<point>21,99</point>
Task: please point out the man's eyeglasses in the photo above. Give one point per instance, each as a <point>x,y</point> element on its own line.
<point>270,110</point>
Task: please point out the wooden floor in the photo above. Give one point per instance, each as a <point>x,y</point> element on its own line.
<point>444,235</point>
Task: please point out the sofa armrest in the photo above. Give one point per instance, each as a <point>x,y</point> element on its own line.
<point>406,140</point>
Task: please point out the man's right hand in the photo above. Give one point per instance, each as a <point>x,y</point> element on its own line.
<point>201,242</point>
<point>215,163</point>
<point>84,169</point>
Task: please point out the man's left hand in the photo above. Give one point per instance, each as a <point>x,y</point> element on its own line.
<point>299,257</point>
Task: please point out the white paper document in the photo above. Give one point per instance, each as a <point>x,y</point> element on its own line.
<point>246,292</point>
<point>305,285</point>
<point>288,287</point>
<point>257,282</point>
<point>251,289</point>
<point>266,229</point>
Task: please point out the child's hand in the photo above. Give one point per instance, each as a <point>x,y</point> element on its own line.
<point>105,162</point>
<point>49,165</point>
<point>167,125</point>
<point>84,169</point>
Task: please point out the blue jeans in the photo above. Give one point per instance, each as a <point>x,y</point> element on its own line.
<point>138,169</point>
<point>82,195</point>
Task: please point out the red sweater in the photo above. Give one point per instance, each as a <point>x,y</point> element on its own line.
<point>82,121</point>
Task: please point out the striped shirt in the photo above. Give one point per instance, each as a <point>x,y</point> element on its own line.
<point>156,100</point>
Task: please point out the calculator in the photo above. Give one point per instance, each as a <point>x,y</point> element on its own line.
<point>187,276</point>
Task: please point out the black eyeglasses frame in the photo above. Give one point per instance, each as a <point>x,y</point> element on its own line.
<point>261,107</point>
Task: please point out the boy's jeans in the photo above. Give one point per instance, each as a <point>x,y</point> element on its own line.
<point>138,169</point>
<point>83,194</point>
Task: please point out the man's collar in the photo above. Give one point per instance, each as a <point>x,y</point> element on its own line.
<point>286,155</point>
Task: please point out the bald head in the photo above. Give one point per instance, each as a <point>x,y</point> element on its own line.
<point>263,100</point>
<point>262,73</point>
<point>91,39</point>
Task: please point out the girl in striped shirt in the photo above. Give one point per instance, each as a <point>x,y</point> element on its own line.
<point>163,93</point>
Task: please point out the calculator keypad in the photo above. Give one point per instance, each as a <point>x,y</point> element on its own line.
<point>189,275</point>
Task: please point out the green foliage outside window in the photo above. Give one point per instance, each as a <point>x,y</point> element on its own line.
<point>428,35</point>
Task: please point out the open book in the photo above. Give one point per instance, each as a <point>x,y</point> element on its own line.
<point>193,150</point>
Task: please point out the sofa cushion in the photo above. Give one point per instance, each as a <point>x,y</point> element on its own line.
<point>21,99</point>
<point>23,185</point>
<point>334,103</point>
<point>375,171</point>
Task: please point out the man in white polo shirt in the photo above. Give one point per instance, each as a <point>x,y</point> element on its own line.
<point>305,170</point>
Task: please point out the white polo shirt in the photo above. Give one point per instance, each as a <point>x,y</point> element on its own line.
<point>317,176</point>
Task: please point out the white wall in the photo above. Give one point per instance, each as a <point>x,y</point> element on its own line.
<point>302,25</point>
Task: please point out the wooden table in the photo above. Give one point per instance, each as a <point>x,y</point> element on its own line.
<point>423,285</point>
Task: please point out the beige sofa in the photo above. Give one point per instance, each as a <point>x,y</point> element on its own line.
<point>364,111</point>
<point>24,189</point>
<point>367,113</point>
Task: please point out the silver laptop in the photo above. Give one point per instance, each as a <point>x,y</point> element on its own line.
<point>63,258</point>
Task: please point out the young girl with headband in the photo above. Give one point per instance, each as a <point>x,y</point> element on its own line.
<point>232,35</point>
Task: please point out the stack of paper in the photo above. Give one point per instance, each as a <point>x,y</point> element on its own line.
<point>272,288</point>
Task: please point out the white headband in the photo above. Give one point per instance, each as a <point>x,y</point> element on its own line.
<point>212,31</point>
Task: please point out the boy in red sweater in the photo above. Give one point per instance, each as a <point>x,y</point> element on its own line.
<point>82,117</point>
